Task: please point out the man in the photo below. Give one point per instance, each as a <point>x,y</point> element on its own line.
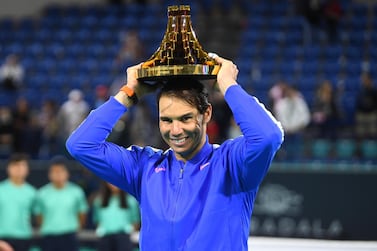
<point>61,210</point>
<point>194,196</point>
<point>366,109</point>
<point>17,199</point>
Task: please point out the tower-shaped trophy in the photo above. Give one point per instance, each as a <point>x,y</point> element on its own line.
<point>179,53</point>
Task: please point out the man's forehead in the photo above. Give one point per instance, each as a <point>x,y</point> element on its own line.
<point>170,106</point>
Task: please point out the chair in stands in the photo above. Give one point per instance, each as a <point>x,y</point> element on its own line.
<point>368,150</point>
<point>321,149</point>
<point>345,149</point>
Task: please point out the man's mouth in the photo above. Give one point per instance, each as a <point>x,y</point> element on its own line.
<point>179,141</point>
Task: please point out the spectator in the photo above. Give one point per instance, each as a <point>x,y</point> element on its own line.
<point>325,113</point>
<point>220,123</point>
<point>16,199</point>
<point>366,108</point>
<point>72,113</point>
<point>61,209</point>
<point>234,130</point>
<point>144,128</point>
<point>11,73</point>
<point>131,51</point>
<point>21,122</point>
<point>311,10</point>
<point>332,12</point>
<point>102,95</point>
<point>293,113</point>
<point>324,14</point>
<point>6,131</point>
<point>48,123</point>
<point>116,214</point>
<point>292,110</point>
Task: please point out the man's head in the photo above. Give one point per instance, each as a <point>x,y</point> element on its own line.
<point>184,112</point>
<point>18,168</point>
<point>58,173</point>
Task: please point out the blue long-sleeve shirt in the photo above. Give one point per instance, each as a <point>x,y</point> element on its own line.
<point>204,203</point>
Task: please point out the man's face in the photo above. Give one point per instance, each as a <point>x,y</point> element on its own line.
<point>182,127</point>
<point>18,170</point>
<point>58,175</point>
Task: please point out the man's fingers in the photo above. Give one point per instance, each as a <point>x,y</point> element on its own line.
<point>135,67</point>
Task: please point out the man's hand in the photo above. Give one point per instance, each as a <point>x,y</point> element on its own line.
<point>138,87</point>
<point>227,75</point>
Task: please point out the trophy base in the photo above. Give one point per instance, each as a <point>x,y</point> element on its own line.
<point>165,72</point>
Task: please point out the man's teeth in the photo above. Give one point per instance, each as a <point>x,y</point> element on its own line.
<point>179,140</point>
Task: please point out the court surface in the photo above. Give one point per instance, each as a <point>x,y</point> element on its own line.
<point>286,244</point>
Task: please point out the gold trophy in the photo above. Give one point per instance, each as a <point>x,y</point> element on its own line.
<point>179,53</point>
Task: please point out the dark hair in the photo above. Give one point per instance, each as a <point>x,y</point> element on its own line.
<point>105,195</point>
<point>58,160</point>
<point>16,157</point>
<point>188,89</point>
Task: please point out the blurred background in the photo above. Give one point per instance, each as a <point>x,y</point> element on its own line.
<point>312,63</point>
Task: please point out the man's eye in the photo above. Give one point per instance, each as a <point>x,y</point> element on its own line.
<point>166,120</point>
<point>186,118</point>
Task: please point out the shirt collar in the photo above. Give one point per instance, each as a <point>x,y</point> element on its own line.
<point>202,154</point>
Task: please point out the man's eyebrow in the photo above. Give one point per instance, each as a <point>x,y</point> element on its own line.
<point>182,116</point>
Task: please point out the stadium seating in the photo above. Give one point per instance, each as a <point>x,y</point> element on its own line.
<point>72,46</point>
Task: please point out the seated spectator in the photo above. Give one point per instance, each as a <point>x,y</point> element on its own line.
<point>131,51</point>
<point>47,119</point>
<point>332,12</point>
<point>324,14</point>
<point>293,113</point>
<point>144,126</point>
<point>366,108</point>
<point>6,131</point>
<point>102,95</point>
<point>21,122</point>
<point>325,113</point>
<point>221,117</point>
<point>11,73</point>
<point>72,113</point>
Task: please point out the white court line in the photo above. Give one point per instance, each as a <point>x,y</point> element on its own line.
<point>287,244</point>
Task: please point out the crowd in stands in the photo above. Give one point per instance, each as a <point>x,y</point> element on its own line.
<point>38,124</point>
<point>41,132</point>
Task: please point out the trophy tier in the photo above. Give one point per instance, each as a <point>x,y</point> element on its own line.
<point>161,72</point>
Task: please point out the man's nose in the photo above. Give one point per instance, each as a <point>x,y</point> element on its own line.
<point>176,127</point>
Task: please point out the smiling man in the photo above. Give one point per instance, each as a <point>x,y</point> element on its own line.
<point>194,196</point>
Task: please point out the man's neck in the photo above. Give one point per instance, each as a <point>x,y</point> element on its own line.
<point>17,182</point>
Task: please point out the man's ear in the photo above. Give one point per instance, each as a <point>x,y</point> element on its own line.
<point>208,114</point>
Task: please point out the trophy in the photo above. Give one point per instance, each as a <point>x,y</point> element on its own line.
<point>179,54</point>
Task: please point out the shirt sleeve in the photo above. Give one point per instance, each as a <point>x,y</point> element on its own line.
<point>82,205</point>
<point>110,162</point>
<point>252,154</point>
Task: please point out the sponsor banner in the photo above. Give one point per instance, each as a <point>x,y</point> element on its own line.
<point>317,205</point>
